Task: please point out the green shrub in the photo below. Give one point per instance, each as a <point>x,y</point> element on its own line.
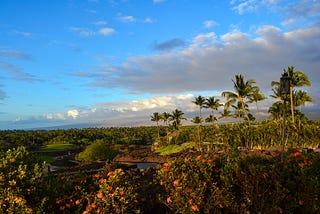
<point>98,150</point>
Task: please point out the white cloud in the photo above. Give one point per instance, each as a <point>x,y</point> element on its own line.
<point>203,40</point>
<point>125,18</point>
<point>99,23</point>
<point>209,63</point>
<point>73,113</point>
<point>154,103</point>
<point>82,31</point>
<point>106,31</point>
<point>243,6</point>
<point>158,1</point>
<point>209,23</point>
<point>235,37</point>
<point>56,116</point>
<point>302,12</point>
<point>148,20</point>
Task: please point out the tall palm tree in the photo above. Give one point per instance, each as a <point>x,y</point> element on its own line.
<point>200,101</point>
<point>197,121</point>
<point>243,90</point>
<point>176,116</point>
<point>213,104</point>
<point>255,97</point>
<point>156,117</point>
<point>298,79</point>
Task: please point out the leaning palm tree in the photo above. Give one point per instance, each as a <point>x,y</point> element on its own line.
<point>243,90</point>
<point>298,79</point>
<point>255,97</point>
<point>176,116</point>
<point>156,117</point>
<point>213,104</point>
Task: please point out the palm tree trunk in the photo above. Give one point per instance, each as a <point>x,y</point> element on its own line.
<point>245,111</point>
<point>258,111</point>
<point>291,101</point>
<point>158,129</point>
<point>212,118</point>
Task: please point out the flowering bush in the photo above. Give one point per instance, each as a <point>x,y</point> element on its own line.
<point>117,193</point>
<point>241,184</point>
<point>229,183</point>
<point>20,172</point>
<point>191,185</point>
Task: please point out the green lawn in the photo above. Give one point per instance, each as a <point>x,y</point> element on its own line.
<point>167,150</point>
<point>57,147</point>
<point>47,159</point>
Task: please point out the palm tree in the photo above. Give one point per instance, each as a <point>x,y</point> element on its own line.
<point>243,90</point>
<point>300,98</point>
<point>176,116</point>
<point>197,120</point>
<point>298,79</point>
<point>200,101</point>
<point>276,90</point>
<point>275,110</point>
<point>213,104</point>
<point>225,114</point>
<point>256,97</point>
<point>210,119</point>
<point>156,117</point>
<point>240,111</point>
<point>165,116</point>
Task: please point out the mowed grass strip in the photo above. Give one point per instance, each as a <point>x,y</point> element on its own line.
<point>57,147</point>
<point>170,149</point>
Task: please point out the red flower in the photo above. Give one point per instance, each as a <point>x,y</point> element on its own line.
<point>176,182</point>
<point>195,208</point>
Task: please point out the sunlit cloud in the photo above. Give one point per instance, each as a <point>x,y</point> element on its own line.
<point>73,113</point>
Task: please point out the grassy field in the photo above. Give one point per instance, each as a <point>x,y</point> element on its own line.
<point>57,147</point>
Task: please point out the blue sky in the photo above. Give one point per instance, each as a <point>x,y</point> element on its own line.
<point>115,62</point>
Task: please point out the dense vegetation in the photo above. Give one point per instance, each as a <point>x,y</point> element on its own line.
<point>213,182</point>
<point>209,183</point>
